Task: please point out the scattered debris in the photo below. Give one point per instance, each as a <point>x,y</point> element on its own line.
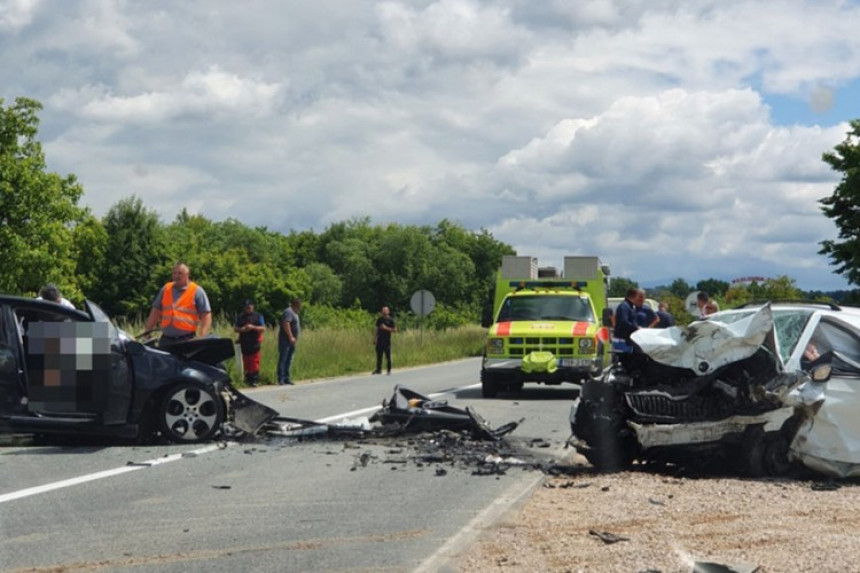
<point>412,411</point>
<point>709,567</point>
<point>607,537</point>
<point>825,486</point>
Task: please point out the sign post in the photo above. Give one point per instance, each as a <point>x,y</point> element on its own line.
<point>422,303</point>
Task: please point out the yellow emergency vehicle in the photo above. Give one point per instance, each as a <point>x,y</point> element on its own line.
<point>546,328</point>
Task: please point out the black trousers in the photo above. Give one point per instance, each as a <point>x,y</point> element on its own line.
<point>380,350</point>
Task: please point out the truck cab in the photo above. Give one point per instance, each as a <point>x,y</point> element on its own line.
<point>546,328</point>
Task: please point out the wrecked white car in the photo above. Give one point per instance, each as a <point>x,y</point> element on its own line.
<point>755,389</point>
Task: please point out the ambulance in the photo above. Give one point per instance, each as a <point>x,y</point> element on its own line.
<point>546,327</point>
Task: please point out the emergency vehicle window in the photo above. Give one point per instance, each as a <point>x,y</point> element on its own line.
<point>567,308</point>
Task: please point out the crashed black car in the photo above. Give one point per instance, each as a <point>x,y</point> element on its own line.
<point>73,372</point>
<point>734,392</point>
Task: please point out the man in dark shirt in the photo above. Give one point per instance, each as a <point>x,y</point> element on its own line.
<point>250,326</point>
<point>287,338</point>
<point>382,339</point>
<point>626,315</point>
<point>627,321</point>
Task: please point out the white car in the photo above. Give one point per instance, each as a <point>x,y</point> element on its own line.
<point>757,388</point>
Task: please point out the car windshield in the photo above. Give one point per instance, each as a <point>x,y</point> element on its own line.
<point>546,307</point>
<point>789,324</point>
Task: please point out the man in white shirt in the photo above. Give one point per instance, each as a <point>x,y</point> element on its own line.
<point>52,293</point>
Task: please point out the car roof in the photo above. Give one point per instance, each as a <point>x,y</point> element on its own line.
<point>851,313</point>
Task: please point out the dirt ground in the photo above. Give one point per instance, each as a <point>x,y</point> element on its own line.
<point>642,521</point>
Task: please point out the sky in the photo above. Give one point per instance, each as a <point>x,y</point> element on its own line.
<point>671,138</point>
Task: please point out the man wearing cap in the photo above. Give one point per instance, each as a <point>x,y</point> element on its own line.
<point>182,307</point>
<point>250,326</point>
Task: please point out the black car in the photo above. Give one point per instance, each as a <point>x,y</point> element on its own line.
<point>67,371</point>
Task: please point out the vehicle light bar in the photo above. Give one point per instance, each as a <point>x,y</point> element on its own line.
<point>548,284</point>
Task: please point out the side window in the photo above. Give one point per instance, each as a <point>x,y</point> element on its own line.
<point>843,342</point>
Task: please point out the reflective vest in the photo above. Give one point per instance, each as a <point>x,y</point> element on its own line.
<point>182,314</point>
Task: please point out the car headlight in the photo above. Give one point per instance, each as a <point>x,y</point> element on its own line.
<point>586,345</point>
<point>495,346</point>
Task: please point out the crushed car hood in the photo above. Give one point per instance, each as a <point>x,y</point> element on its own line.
<point>706,345</point>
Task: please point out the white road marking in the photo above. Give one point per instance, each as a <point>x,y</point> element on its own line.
<point>375,408</point>
<point>31,491</point>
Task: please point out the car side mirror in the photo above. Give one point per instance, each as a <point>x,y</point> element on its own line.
<point>821,373</point>
<point>487,319</point>
<point>607,316</point>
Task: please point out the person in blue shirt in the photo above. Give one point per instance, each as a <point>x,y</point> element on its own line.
<point>626,316</point>
<point>630,316</point>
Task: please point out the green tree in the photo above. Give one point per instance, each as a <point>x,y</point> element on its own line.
<point>326,286</point>
<point>619,286</point>
<point>134,261</point>
<point>38,210</point>
<point>714,287</point>
<point>680,288</point>
<point>843,206</point>
<point>91,244</point>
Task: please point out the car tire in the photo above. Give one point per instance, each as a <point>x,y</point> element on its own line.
<point>765,454</point>
<point>776,459</point>
<point>489,385</point>
<point>599,423</point>
<point>190,413</point>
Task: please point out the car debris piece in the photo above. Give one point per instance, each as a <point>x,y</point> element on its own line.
<point>410,411</point>
<point>711,567</point>
<point>607,537</point>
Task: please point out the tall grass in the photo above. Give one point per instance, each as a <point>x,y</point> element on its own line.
<point>327,351</point>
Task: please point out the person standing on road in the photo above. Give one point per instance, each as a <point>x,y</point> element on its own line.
<point>287,337</point>
<point>382,339</point>
<point>250,326</point>
<point>182,308</point>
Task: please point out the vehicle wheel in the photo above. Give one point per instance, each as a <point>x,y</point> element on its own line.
<point>754,451</point>
<point>489,389</point>
<point>599,422</point>
<point>776,460</point>
<point>489,385</point>
<point>190,413</point>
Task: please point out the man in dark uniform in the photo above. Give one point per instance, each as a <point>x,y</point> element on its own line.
<point>382,339</point>
<point>250,326</point>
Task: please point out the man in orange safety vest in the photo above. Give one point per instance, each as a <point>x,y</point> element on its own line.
<point>182,308</point>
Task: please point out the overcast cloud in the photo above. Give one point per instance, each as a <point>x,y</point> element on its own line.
<point>671,138</point>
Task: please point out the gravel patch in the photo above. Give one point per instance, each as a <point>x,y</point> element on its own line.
<point>641,521</point>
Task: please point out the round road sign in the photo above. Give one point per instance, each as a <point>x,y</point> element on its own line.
<point>422,302</point>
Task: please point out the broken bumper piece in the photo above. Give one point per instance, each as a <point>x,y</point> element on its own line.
<point>412,412</point>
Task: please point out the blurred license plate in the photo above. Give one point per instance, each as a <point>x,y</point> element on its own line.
<point>573,362</point>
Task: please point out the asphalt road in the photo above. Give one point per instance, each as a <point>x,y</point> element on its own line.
<point>273,504</point>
